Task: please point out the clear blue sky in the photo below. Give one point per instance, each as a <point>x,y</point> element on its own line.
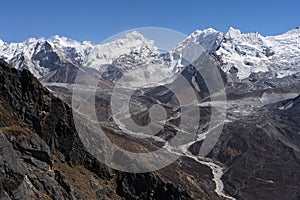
<point>96,20</point>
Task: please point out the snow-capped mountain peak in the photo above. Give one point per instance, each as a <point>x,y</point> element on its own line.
<point>291,34</point>
<point>64,41</point>
<point>106,53</point>
<point>72,48</point>
<point>209,39</point>
<point>250,53</point>
<point>237,35</point>
<point>135,35</point>
<point>233,32</point>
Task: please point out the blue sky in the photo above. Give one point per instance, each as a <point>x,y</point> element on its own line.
<point>96,20</point>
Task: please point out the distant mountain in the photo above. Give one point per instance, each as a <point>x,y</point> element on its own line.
<point>253,53</point>
<point>243,56</point>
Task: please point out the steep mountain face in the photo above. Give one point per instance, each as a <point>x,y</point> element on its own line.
<point>253,53</point>
<point>105,54</point>
<point>43,56</point>
<point>209,40</point>
<point>72,49</point>
<point>141,66</point>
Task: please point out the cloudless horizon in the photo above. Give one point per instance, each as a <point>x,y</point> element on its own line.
<point>96,20</point>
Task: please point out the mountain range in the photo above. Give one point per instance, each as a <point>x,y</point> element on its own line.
<point>256,156</point>
<point>243,56</point>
